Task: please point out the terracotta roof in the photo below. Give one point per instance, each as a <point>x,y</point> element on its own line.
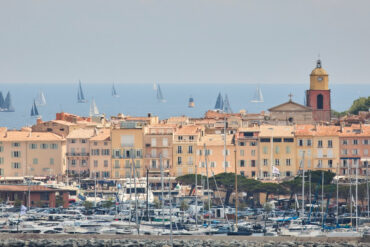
<point>23,188</point>
<point>217,115</point>
<point>61,122</point>
<point>101,135</point>
<point>16,135</point>
<point>188,130</point>
<point>356,130</point>
<point>177,120</point>
<point>81,133</point>
<point>318,130</point>
<point>276,130</point>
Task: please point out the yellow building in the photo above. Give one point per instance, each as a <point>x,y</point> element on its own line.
<point>320,145</point>
<point>247,152</point>
<point>27,153</point>
<point>213,146</point>
<point>127,148</point>
<point>277,151</point>
<point>186,139</point>
<point>100,154</point>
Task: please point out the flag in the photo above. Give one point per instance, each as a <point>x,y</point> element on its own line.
<point>23,210</point>
<point>275,170</point>
<point>296,200</point>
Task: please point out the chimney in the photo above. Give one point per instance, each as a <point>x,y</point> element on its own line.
<point>149,114</point>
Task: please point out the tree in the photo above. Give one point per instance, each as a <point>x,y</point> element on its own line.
<point>360,104</point>
<point>184,206</point>
<point>316,177</point>
<point>87,204</point>
<point>270,188</point>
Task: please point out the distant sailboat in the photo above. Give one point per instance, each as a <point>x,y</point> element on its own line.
<point>219,102</point>
<point>80,94</point>
<point>191,102</point>
<point>93,109</point>
<point>155,86</point>
<point>41,101</point>
<point>258,97</point>
<point>114,91</point>
<point>1,100</point>
<point>160,97</point>
<point>7,105</point>
<point>34,110</point>
<point>226,105</point>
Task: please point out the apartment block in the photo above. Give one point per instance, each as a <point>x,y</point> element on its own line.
<point>100,154</point>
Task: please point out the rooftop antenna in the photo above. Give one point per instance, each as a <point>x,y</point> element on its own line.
<point>290,97</point>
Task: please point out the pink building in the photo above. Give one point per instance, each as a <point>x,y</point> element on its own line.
<point>100,158</point>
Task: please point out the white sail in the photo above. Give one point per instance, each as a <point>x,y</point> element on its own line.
<point>93,108</point>
<point>41,99</point>
<point>258,97</point>
<point>155,86</point>
<point>160,97</point>
<point>114,91</point>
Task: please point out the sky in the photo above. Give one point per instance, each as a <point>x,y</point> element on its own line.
<point>183,41</point>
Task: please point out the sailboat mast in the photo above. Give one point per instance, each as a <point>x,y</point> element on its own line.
<point>136,199</point>
<point>303,153</point>
<point>162,187</point>
<point>322,197</point>
<point>196,196</point>
<point>170,200</point>
<point>356,170</point>
<point>236,192</point>
<point>225,144</point>
<point>337,193</point>
<point>208,195</point>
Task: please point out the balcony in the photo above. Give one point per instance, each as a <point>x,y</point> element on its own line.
<point>77,154</point>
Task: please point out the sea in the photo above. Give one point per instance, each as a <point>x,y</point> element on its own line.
<point>140,99</point>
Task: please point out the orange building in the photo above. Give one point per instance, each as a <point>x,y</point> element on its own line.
<point>100,154</point>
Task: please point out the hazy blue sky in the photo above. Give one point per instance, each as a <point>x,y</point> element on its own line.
<point>172,41</point>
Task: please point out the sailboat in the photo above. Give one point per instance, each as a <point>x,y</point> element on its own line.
<point>114,91</point>
<point>258,97</point>
<point>226,105</point>
<point>34,111</point>
<point>93,109</point>
<point>80,94</point>
<point>41,99</point>
<point>191,102</point>
<point>1,100</point>
<point>160,97</point>
<point>155,86</point>
<point>7,105</point>
<point>219,103</point>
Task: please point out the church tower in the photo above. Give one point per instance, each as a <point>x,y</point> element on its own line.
<point>318,96</point>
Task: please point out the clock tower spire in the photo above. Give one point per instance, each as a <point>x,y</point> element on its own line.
<point>318,96</point>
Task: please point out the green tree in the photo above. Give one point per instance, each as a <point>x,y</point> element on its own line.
<point>360,104</point>
<point>316,177</point>
<point>271,188</point>
<point>184,206</point>
<point>88,204</point>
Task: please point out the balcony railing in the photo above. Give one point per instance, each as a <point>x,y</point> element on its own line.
<point>77,154</point>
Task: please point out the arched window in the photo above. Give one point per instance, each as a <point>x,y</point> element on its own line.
<point>320,101</point>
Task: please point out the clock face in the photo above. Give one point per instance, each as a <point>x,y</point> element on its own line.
<point>319,78</point>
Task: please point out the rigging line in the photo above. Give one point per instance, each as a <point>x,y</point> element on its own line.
<point>219,196</point>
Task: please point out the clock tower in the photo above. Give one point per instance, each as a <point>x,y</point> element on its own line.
<point>318,96</point>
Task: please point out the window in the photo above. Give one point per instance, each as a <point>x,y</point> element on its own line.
<point>344,151</point>
<point>165,153</point>
<point>83,163</point>
<point>241,152</point>
<point>330,163</point>
<point>1,149</point>
<point>95,151</point>
<point>35,161</point>
<point>51,161</point>
<point>44,146</point>
<point>154,142</point>
<point>190,149</point>
<point>117,153</point>
<point>54,146</point>
<point>253,174</point>
<point>319,164</point>
<point>287,162</point>
<point>277,139</point>
<point>253,144</point>
<point>105,174</point>
<point>154,164</point>
<point>300,142</point>
<point>116,174</point>
<point>287,150</point>
<point>242,174</point>
<point>1,160</point>
<point>179,160</point>
<point>320,102</point>
<point>265,162</point>
<point>165,142</point>
<point>319,143</point>
<point>190,160</point>
<point>355,142</point>
<point>288,174</point>
<point>106,144</point>
<point>73,162</point>
<point>33,146</point>
<point>154,153</point>
<point>179,149</point>
<point>16,154</point>
<point>73,140</point>
<point>265,140</point>
<point>277,149</point>
<point>127,164</point>
<point>227,152</point>
<point>253,163</point>
<point>265,151</point>
<point>277,162</point>
<point>241,143</point>
<point>116,163</point>
<point>344,142</point>
<point>83,140</point>
<point>16,144</point>
<point>265,174</point>
<point>319,153</point>
<point>288,139</point>
<point>1,171</point>
<point>366,152</point>
<point>226,164</point>
<point>355,151</point>
<point>191,138</point>
<point>309,142</point>
<point>253,152</point>
<point>105,151</point>
<point>179,138</point>
<point>242,163</point>
<point>95,163</point>
<point>202,164</point>
<point>44,196</point>
<point>16,165</point>
<point>95,143</point>
<point>213,164</point>
<point>365,141</point>
<point>330,143</point>
<point>105,163</point>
